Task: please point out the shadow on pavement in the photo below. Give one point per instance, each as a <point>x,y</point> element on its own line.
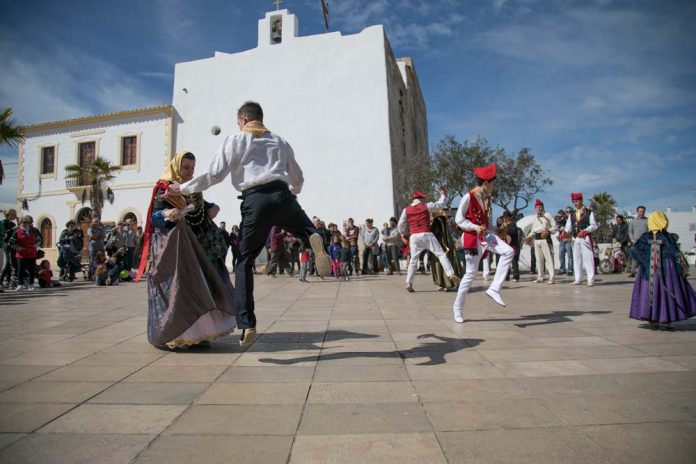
<point>435,351</point>
<point>554,317</point>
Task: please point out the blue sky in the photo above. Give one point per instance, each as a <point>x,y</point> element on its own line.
<point>603,92</point>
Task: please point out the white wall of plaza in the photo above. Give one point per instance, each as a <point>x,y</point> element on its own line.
<point>354,115</point>
<point>683,223</point>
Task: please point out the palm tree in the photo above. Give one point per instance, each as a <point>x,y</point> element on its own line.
<point>9,133</point>
<point>94,177</point>
<point>603,205</point>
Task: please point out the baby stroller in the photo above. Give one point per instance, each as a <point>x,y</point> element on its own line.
<point>69,263</point>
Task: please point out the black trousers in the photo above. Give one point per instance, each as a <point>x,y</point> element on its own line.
<point>279,262</point>
<point>263,207</point>
<point>26,266</point>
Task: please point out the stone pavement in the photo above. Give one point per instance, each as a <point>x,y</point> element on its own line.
<point>354,372</point>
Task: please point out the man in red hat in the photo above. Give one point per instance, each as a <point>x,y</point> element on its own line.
<point>415,223</point>
<point>543,226</point>
<point>580,225</point>
<point>474,218</point>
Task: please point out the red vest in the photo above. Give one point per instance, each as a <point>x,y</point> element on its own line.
<point>27,241</point>
<point>418,218</point>
<point>478,216</point>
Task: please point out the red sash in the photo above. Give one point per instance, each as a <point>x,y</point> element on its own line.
<point>160,185</point>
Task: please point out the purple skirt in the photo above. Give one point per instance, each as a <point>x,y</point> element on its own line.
<point>674,301</point>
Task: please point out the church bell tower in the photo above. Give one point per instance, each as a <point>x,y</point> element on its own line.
<point>278,27</point>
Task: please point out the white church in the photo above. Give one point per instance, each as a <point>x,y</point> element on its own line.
<point>353,113</point>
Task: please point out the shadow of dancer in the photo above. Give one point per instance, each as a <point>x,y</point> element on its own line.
<point>554,317</point>
<point>435,351</point>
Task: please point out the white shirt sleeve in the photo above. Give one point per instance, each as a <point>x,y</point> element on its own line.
<point>220,166</point>
<point>437,205</point>
<point>569,224</point>
<point>295,176</point>
<point>553,227</point>
<point>460,218</point>
<point>403,223</point>
<point>593,224</point>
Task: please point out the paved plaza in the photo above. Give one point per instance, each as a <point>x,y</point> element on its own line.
<point>350,372</point>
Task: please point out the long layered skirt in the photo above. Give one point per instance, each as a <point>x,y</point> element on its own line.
<point>190,299</point>
<point>673,297</point>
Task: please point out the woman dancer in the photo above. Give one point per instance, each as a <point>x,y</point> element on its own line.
<point>190,295</point>
<point>661,293</point>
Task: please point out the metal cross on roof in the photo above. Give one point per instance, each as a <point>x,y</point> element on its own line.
<point>277,4</point>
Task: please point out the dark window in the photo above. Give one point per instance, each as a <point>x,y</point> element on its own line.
<point>86,151</point>
<point>129,150</point>
<point>48,160</point>
<point>46,233</point>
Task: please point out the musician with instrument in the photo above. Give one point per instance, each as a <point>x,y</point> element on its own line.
<point>543,226</point>
<point>513,236</point>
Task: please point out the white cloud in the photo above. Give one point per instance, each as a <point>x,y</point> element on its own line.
<point>66,84</point>
<point>410,24</point>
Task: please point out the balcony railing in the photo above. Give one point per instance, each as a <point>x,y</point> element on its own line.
<point>76,183</point>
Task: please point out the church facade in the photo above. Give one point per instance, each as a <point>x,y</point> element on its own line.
<point>353,113</point>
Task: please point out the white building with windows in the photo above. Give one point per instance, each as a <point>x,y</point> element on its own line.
<point>139,141</point>
<point>353,113</point>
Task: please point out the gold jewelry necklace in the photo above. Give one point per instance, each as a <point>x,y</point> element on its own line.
<point>196,216</point>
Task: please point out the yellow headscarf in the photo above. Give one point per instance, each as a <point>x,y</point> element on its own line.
<point>657,222</point>
<point>255,128</point>
<point>173,171</point>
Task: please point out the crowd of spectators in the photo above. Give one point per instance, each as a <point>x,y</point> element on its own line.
<point>109,255</point>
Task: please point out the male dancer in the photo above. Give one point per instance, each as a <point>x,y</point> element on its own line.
<point>543,226</point>
<point>415,220</point>
<point>263,167</point>
<point>474,218</point>
<point>581,224</point>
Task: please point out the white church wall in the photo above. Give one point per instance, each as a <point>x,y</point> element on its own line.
<point>325,94</point>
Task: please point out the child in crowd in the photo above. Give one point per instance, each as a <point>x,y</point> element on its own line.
<point>335,255</point>
<point>46,275</point>
<point>107,269</point>
<point>304,263</point>
<point>346,259</point>
<point>355,265</point>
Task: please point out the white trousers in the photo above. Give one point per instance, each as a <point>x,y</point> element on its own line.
<point>495,245</point>
<point>583,258</point>
<point>486,267</point>
<point>544,258</point>
<point>425,241</point>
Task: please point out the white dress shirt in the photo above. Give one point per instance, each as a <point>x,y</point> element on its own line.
<point>251,161</point>
<point>542,223</point>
